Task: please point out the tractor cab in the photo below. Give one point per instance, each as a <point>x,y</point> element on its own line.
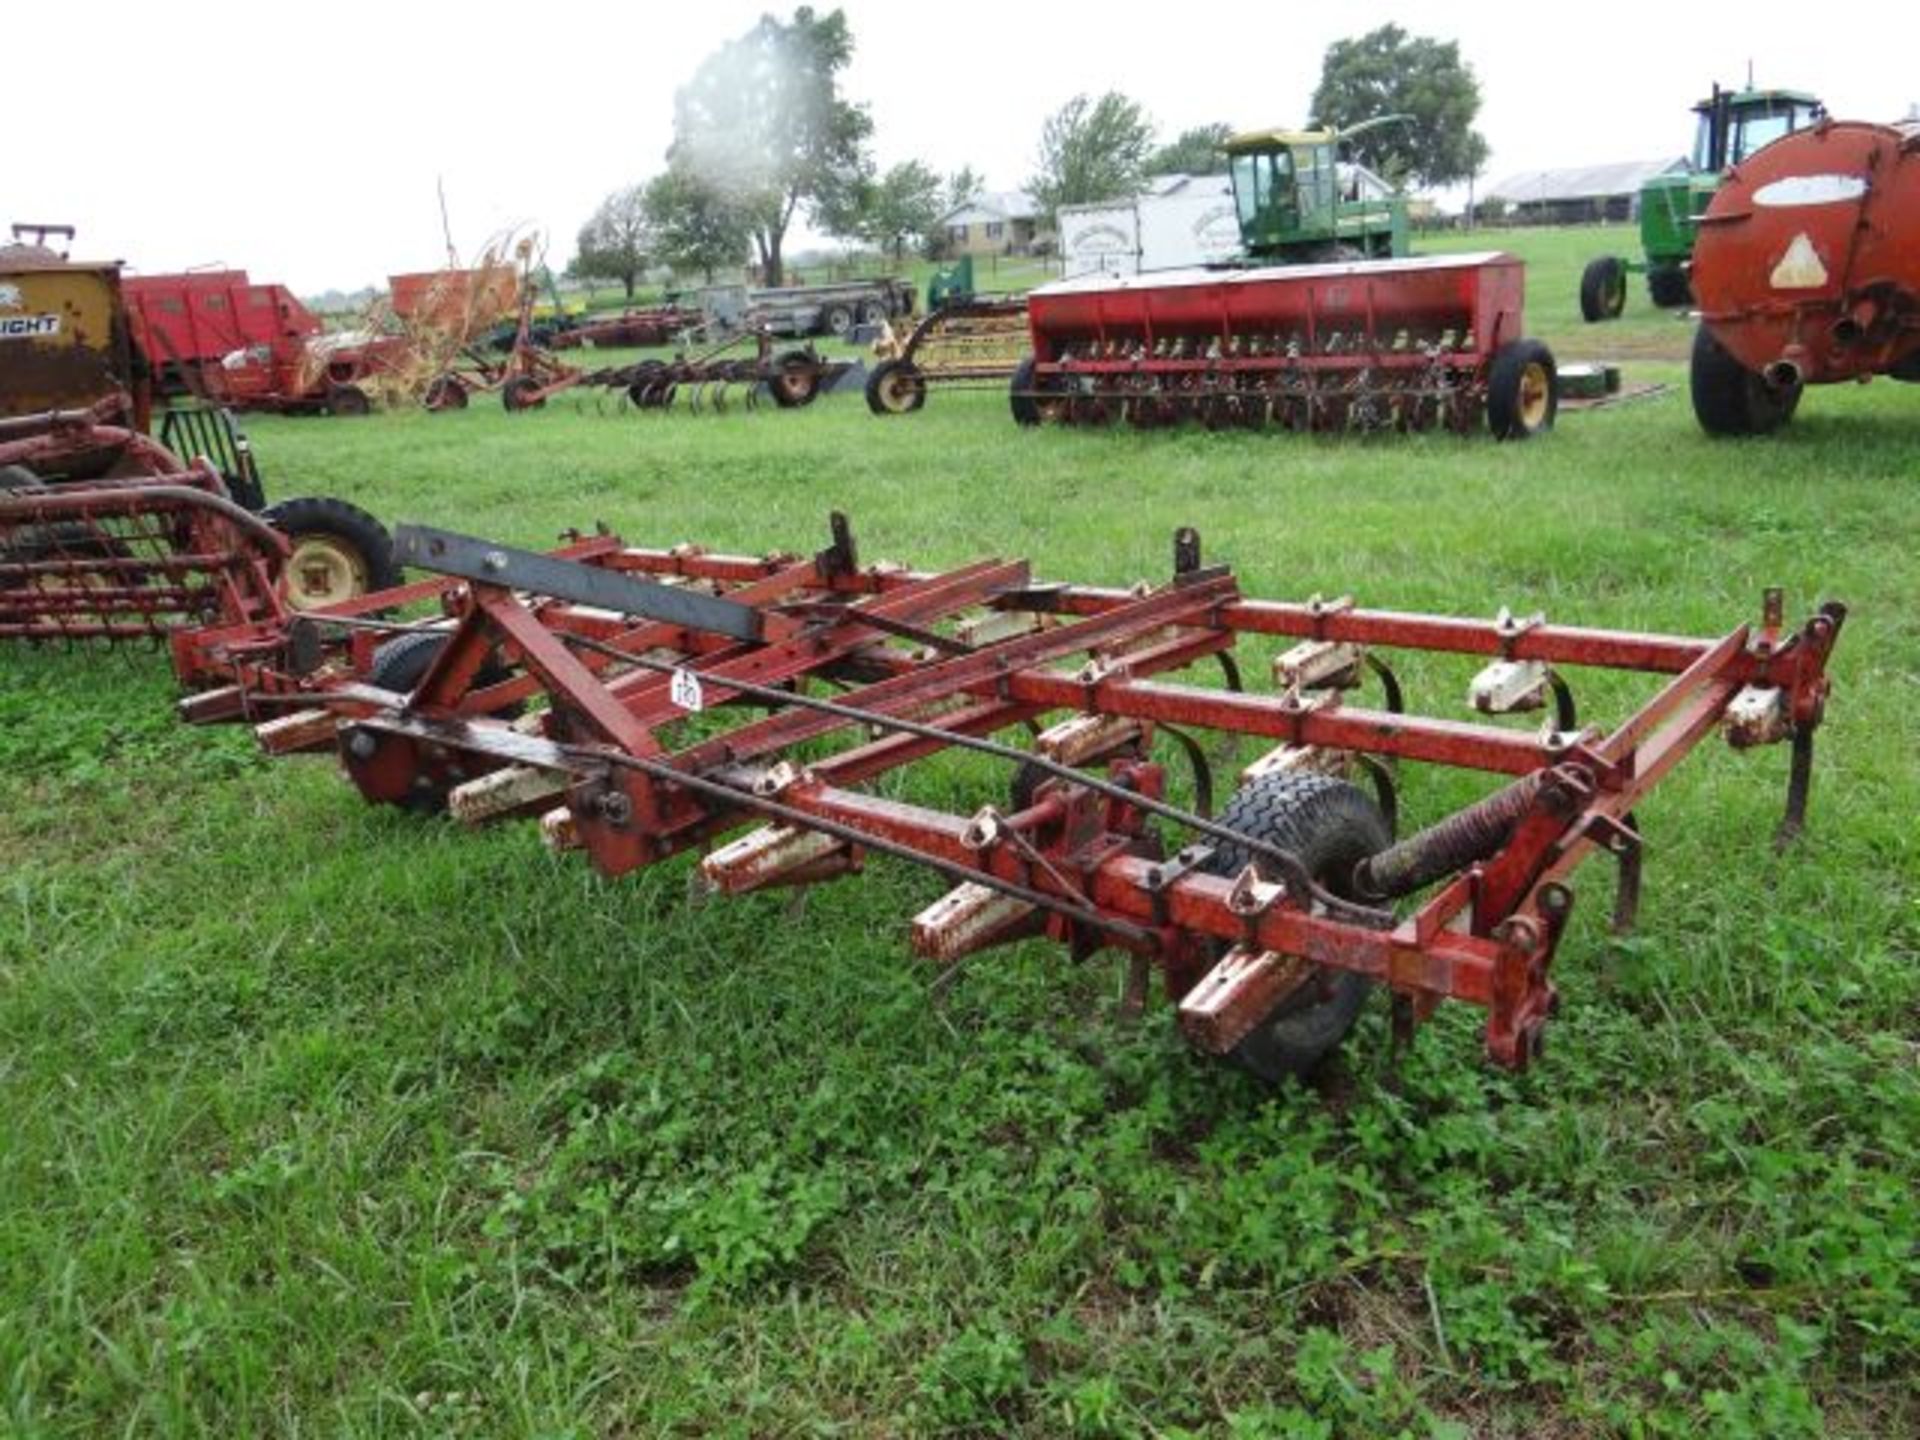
<point>1297,203</point>
<point>1734,124</point>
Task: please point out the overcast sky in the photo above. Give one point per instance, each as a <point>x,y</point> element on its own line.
<point>303,142</point>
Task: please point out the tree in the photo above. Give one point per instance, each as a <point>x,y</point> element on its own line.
<point>1194,152</point>
<point>1091,150</point>
<point>902,206</point>
<point>1388,72</point>
<point>695,229</point>
<point>614,242</point>
<point>762,121</point>
<point>962,186</point>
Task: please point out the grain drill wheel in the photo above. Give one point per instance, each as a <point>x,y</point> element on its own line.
<point>1522,391</point>
<point>522,392</point>
<point>339,551</point>
<point>1331,826</point>
<point>1030,408</point>
<point>873,313</point>
<point>446,393</point>
<point>1668,287</point>
<point>838,319</point>
<point>795,380</point>
<point>1603,289</point>
<point>1728,398</point>
<point>347,400</point>
<point>896,387</point>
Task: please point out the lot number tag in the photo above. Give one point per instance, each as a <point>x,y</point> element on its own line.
<point>685,691</point>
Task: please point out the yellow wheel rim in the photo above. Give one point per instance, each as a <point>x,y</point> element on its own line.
<point>1536,391</point>
<point>324,570</point>
<point>897,394</point>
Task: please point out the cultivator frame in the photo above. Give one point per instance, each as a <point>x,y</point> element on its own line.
<point>703,379</point>
<point>615,647</point>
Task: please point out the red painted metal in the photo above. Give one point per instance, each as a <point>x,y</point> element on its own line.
<point>1807,265</point>
<point>1406,343</point>
<point>602,759</point>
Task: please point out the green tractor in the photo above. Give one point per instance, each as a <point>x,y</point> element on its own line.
<point>1296,207</point>
<point>1732,125</point>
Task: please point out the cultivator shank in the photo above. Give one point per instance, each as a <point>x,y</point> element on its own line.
<point>642,703</point>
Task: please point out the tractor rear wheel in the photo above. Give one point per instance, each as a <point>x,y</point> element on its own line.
<point>1523,392</point>
<point>795,380</point>
<point>522,392</point>
<point>896,387</point>
<point>1668,287</point>
<point>340,552</point>
<point>1603,289</point>
<point>1331,826</point>
<point>1728,398</point>
<point>347,400</point>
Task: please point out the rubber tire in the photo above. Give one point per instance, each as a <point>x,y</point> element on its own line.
<point>323,515</point>
<point>1510,365</point>
<point>1728,398</point>
<point>888,370</point>
<point>1331,826</point>
<point>788,399</point>
<point>517,394</point>
<point>1603,289</point>
<point>1026,410</point>
<point>348,400</point>
<point>836,320</point>
<point>873,313</point>
<point>1668,286</point>
<point>445,393</point>
<point>19,477</point>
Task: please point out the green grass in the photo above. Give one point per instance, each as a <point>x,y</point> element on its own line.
<point>322,1120</point>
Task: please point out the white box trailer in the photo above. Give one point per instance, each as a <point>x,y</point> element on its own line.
<point>1193,225</point>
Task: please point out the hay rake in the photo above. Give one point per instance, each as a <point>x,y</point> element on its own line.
<point>557,684</point>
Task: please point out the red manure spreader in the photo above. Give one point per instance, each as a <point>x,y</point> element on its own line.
<point>1807,272</point>
<point>1407,344</point>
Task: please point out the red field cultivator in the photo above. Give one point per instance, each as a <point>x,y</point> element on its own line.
<point>1436,342</point>
<point>566,687</point>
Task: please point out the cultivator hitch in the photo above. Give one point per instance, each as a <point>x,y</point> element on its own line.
<point>560,688</point>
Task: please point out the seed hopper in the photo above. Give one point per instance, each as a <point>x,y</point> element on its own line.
<point>558,688</point>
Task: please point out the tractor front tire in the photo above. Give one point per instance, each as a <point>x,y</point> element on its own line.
<point>1331,826</point>
<point>1523,391</point>
<point>1603,289</point>
<point>896,387</point>
<point>340,552</point>
<point>1728,398</point>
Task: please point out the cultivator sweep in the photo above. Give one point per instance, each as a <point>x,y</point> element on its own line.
<point>708,380</point>
<point>1417,344</point>
<point>645,702</point>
